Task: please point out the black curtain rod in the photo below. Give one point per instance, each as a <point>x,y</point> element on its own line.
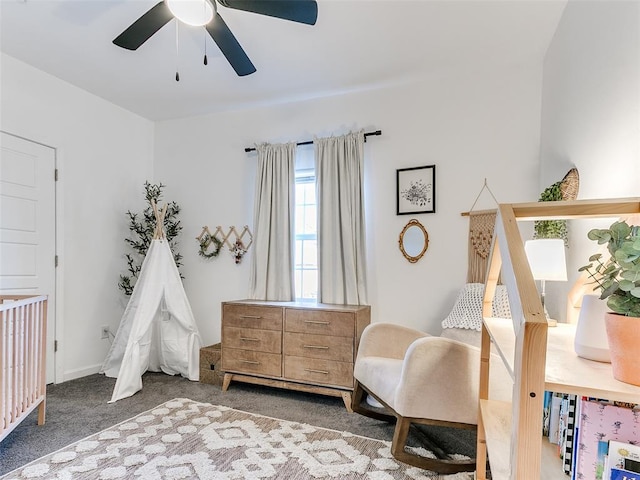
<point>368,134</point>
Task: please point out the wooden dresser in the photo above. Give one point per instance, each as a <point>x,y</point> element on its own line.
<point>297,346</point>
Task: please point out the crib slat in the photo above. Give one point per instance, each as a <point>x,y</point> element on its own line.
<point>15,370</point>
<point>31,355</point>
<point>42,364</point>
<point>4,367</point>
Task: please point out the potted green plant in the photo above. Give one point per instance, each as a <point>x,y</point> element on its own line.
<point>618,280</point>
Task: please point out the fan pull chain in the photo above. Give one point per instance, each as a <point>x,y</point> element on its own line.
<point>206,62</point>
<point>177,53</point>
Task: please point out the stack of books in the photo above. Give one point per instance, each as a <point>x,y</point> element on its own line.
<point>596,439</point>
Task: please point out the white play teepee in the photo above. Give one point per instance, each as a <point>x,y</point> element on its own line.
<point>157,331</point>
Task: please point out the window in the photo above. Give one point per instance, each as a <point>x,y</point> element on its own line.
<point>306,231</point>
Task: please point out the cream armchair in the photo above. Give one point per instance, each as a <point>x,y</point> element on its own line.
<point>423,379</point>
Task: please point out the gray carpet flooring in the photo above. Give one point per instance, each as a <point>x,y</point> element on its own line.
<point>79,408</point>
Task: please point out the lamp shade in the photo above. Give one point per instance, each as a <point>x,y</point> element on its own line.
<point>546,259</point>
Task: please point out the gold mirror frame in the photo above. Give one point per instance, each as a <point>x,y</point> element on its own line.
<point>413,223</point>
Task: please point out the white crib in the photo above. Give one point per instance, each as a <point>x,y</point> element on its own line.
<point>23,335</point>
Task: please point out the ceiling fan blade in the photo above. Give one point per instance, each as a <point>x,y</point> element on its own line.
<point>301,11</point>
<point>229,46</point>
<point>142,29</point>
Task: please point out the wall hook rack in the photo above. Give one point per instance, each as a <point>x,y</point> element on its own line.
<point>233,240</point>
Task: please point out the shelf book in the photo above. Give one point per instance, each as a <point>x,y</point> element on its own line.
<point>622,462</point>
<point>546,413</point>
<point>554,418</point>
<point>568,442</point>
<point>559,425</point>
<point>619,474</point>
<point>600,425</point>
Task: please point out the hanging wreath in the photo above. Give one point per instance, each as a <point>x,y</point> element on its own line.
<point>205,241</point>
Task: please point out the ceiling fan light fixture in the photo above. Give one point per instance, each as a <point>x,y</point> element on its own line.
<point>204,13</point>
<point>192,12</point>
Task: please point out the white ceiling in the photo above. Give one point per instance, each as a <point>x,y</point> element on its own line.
<point>355,44</point>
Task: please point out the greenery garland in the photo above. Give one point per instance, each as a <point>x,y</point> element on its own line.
<point>207,240</point>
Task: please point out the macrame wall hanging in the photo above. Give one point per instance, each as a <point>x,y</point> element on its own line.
<point>481,224</point>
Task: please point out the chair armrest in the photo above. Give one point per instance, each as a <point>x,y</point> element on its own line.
<point>387,340</point>
<point>439,381</point>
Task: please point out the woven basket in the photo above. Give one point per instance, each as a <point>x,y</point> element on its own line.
<point>570,185</point>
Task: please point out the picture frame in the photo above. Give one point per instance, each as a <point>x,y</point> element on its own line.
<point>416,190</point>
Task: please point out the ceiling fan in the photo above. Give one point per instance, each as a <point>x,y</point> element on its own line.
<point>204,13</point>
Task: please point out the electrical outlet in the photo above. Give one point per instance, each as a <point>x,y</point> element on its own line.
<point>105,331</point>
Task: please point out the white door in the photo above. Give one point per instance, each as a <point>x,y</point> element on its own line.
<point>27,226</point>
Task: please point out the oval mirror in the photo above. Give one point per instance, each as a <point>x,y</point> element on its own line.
<point>413,241</point>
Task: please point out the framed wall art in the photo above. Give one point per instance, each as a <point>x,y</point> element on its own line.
<point>416,190</point>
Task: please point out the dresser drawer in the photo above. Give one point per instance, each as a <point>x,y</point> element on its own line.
<point>252,316</point>
<point>252,339</point>
<point>324,322</point>
<point>318,371</point>
<point>250,361</point>
<point>318,346</point>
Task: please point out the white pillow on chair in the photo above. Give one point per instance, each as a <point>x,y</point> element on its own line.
<point>467,311</point>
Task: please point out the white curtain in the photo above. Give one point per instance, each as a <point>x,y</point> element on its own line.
<point>271,276</point>
<point>341,227</point>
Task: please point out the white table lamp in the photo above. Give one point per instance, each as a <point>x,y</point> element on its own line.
<point>547,261</point>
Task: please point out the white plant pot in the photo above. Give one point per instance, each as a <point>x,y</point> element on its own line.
<point>591,335</point>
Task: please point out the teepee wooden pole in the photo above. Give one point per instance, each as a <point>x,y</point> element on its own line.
<point>158,232</point>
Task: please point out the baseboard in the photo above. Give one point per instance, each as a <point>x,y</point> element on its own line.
<point>81,372</point>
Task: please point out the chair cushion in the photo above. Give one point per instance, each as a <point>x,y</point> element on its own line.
<point>379,375</point>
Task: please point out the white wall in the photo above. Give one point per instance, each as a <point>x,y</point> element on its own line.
<point>591,111</point>
<point>471,124</point>
<point>104,155</point>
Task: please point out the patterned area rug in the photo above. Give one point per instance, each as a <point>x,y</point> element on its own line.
<point>184,439</point>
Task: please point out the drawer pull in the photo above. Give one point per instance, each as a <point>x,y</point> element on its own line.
<point>250,316</point>
<point>247,339</point>
<point>316,322</point>
<point>318,347</point>
<point>251,362</point>
<point>324,372</point>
